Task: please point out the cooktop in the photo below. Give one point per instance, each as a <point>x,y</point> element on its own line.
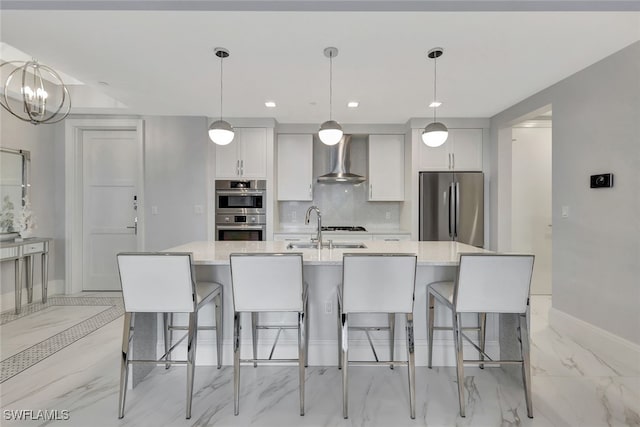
<point>343,228</point>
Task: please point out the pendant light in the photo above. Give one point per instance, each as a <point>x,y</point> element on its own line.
<point>34,92</point>
<point>436,133</point>
<point>330,132</point>
<point>220,131</point>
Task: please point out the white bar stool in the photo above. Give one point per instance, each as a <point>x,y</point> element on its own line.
<point>268,282</point>
<point>486,283</point>
<point>376,283</point>
<point>162,282</point>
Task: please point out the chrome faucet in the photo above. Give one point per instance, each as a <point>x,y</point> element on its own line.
<point>307,217</point>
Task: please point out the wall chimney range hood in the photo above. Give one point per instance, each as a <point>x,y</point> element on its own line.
<point>340,164</point>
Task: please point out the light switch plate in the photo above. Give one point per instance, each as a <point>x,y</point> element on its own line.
<point>154,210</point>
<point>565,212</point>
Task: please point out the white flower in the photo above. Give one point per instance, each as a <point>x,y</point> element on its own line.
<point>24,220</point>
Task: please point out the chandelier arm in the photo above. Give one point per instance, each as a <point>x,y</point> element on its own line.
<point>65,94</point>
<point>61,118</point>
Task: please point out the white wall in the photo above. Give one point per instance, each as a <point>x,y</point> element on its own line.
<point>531,229</point>
<point>176,157</point>
<point>46,144</point>
<point>596,250</point>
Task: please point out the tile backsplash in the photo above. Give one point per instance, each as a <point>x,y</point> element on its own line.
<point>342,204</point>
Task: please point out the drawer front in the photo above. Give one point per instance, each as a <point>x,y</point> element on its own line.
<point>8,253</point>
<point>33,248</point>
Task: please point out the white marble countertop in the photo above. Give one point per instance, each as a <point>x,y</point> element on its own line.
<point>429,253</point>
<point>312,230</point>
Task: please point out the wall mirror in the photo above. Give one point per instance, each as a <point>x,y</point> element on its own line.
<point>14,187</point>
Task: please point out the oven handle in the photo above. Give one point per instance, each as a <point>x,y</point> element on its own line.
<point>240,192</point>
<point>240,227</point>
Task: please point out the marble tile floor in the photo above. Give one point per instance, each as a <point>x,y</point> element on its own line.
<point>572,386</point>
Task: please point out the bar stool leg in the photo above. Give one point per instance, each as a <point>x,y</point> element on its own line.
<point>236,362</point>
<point>457,338</point>
<point>217,301</point>
<point>192,340</point>
<point>411,368</point>
<point>302,355</point>
<point>168,336</point>
<point>431,300</point>
<point>254,331</point>
<point>392,336</point>
<point>526,363</point>
<point>344,348</point>
<point>482,324</point>
<point>339,323</point>
<point>306,334</point>
<point>124,363</point>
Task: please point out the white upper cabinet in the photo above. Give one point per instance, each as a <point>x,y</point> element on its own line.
<point>295,167</point>
<point>462,151</point>
<point>245,156</point>
<point>386,167</point>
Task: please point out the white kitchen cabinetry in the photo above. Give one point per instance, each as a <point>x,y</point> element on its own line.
<point>347,237</point>
<point>392,237</point>
<point>289,237</point>
<point>245,156</point>
<point>386,168</point>
<point>295,167</point>
<point>462,151</point>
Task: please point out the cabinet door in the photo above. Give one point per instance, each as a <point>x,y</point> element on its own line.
<point>252,152</point>
<point>467,149</point>
<point>386,167</point>
<point>295,167</point>
<point>227,165</point>
<point>433,158</point>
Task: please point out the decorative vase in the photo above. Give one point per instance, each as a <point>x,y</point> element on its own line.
<point>25,234</point>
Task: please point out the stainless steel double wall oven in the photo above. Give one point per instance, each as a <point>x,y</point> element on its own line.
<point>241,208</point>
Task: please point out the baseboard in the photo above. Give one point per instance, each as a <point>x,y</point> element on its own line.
<point>325,352</point>
<point>603,343</point>
<point>7,300</point>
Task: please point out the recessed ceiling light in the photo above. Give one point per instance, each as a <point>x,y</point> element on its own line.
<point>353,104</point>
<point>270,104</point>
<point>435,104</point>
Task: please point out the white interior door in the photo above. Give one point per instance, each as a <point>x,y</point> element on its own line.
<point>531,230</point>
<point>110,189</point>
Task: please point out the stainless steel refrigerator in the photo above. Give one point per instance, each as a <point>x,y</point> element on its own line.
<point>452,207</point>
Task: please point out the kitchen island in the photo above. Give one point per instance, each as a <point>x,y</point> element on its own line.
<point>323,273</point>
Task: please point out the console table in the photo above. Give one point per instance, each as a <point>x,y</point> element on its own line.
<point>23,254</point>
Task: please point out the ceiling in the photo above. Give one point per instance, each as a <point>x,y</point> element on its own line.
<point>162,62</point>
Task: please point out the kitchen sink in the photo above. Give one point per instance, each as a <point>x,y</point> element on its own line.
<point>325,245</point>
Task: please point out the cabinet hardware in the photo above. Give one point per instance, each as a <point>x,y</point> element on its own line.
<point>370,190</point>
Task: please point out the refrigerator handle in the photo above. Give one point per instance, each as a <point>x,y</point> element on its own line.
<point>457,211</point>
<point>450,208</point>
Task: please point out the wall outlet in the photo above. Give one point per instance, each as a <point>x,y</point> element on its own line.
<point>328,307</point>
<point>565,212</point>
<point>198,209</point>
<point>293,216</point>
<point>387,215</point>
<point>154,210</point>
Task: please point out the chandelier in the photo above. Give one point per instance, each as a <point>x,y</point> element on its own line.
<point>34,92</point>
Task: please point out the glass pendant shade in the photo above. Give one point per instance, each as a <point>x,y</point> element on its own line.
<point>435,134</point>
<point>330,132</point>
<point>221,132</point>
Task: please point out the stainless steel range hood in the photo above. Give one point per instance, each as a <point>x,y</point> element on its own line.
<point>340,164</point>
